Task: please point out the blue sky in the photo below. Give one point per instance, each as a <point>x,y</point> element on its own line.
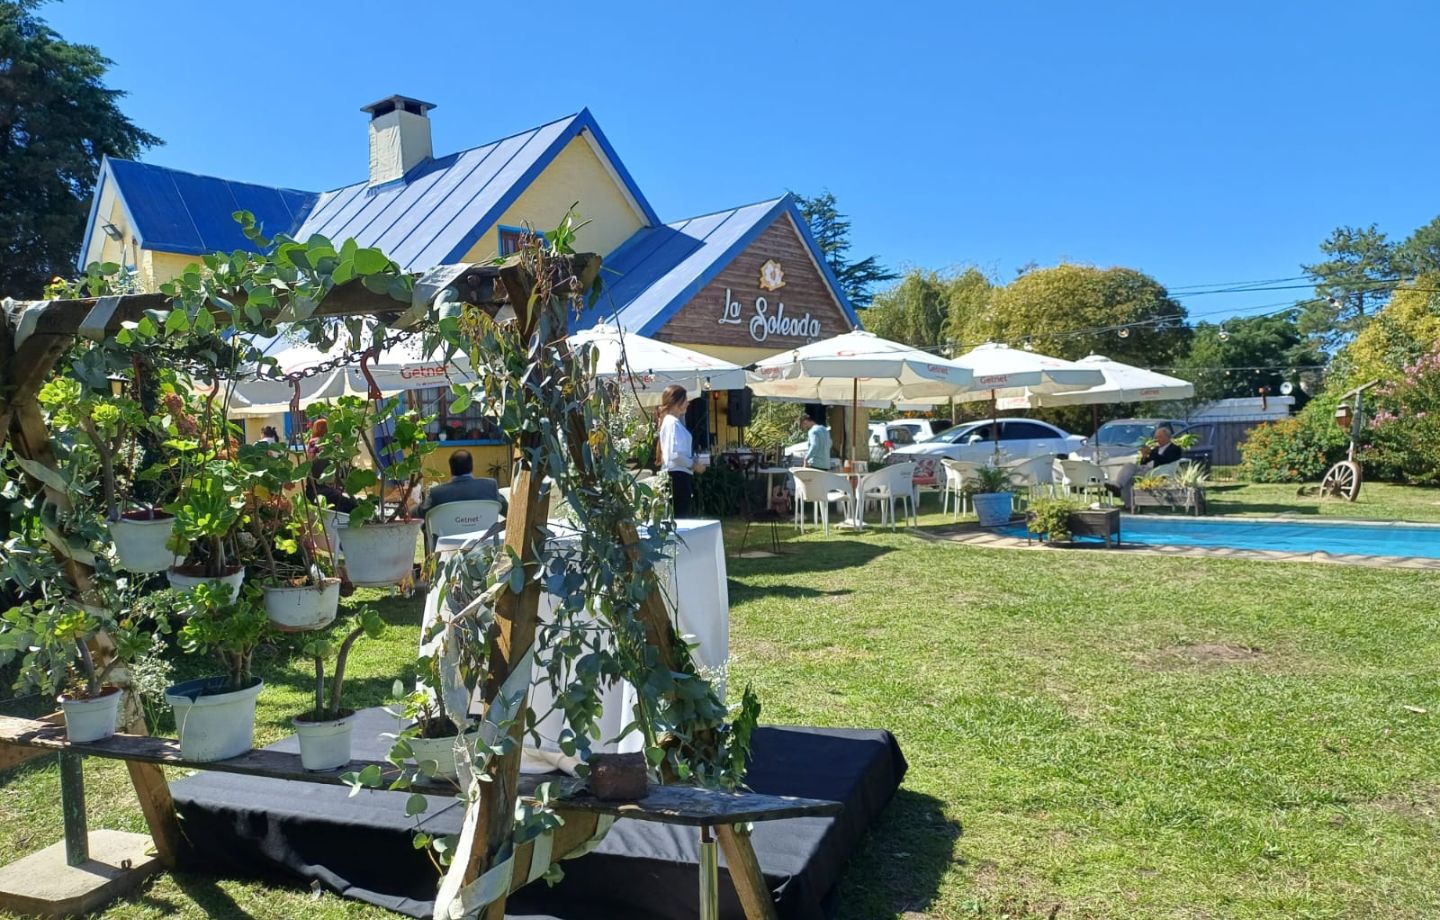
<point>1201,143</point>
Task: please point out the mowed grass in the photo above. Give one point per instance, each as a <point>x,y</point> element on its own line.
<point>1378,501</point>
<point>1115,737</point>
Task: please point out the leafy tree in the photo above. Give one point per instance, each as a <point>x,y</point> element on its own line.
<point>915,311</point>
<point>1071,311</point>
<point>57,120</point>
<point>1420,253</point>
<point>1257,341</point>
<point>831,230</point>
<point>1352,282</point>
<point>969,296</point>
<point>1399,335</point>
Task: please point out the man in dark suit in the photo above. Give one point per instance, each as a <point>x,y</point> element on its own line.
<point>463,486</point>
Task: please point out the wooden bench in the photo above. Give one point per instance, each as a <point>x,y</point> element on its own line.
<point>715,813</point>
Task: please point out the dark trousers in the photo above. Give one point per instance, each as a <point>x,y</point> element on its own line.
<point>682,493</point>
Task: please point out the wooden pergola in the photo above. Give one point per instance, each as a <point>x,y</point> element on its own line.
<point>35,335</point>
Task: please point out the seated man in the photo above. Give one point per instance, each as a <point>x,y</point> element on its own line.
<point>1164,452</point>
<point>463,486</point>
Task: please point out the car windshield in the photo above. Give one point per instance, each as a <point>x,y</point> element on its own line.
<point>1125,435</point>
<point>951,435</point>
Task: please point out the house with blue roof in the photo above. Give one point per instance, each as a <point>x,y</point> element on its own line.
<point>741,283</point>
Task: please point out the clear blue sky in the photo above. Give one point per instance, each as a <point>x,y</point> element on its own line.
<point>1201,143</point>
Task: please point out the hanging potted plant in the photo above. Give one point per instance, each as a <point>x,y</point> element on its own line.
<point>107,426</point>
<point>207,513</point>
<point>379,537</point>
<point>989,488</point>
<point>325,729</point>
<point>216,715</point>
<point>287,535</point>
<point>53,643</point>
<point>431,735</point>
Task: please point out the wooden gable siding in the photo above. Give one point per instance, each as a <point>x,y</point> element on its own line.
<point>805,292</point>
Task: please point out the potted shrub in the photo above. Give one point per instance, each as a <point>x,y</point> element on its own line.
<point>216,715</point>
<point>288,535</point>
<point>379,536</point>
<point>325,730</point>
<point>432,735</point>
<point>989,488</point>
<point>53,642</point>
<point>207,513</point>
<point>107,426</point>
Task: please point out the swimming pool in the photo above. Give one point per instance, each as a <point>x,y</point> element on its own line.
<point>1335,537</point>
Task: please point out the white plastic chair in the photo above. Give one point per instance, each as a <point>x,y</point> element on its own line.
<point>1082,476</point>
<point>888,485</point>
<point>957,472</point>
<point>1168,470</point>
<point>1037,475</point>
<point>819,488</point>
<point>459,517</point>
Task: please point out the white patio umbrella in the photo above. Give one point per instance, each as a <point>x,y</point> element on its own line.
<point>1001,371</point>
<point>400,367</point>
<point>644,366</point>
<point>1123,383</point>
<point>858,367</point>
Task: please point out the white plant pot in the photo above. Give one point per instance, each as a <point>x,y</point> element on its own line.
<point>325,745</point>
<point>92,719</point>
<point>334,520</point>
<point>213,726</point>
<point>440,750</point>
<point>993,508</point>
<point>294,609</point>
<point>187,580</point>
<point>380,554</point>
<point>140,541</point>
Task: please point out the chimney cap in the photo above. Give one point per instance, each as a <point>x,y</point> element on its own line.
<point>391,103</point>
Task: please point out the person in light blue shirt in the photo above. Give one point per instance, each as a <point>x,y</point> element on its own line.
<point>817,443</point>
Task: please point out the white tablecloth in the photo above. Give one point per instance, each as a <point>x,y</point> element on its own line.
<point>694,584</point>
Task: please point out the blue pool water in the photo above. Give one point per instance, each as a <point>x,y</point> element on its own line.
<point>1339,538</point>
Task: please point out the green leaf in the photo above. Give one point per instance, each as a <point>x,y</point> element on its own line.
<point>370,261</point>
<point>177,323</point>
<point>204,322</point>
<point>415,805</point>
<point>146,328</point>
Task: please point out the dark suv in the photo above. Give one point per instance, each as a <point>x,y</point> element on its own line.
<point>1123,436</point>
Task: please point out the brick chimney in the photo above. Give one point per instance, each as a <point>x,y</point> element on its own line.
<point>399,137</point>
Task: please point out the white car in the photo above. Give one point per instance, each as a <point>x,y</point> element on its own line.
<point>974,442</point>
<point>897,433</point>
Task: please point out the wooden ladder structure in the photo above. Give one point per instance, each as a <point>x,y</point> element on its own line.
<point>34,336</point>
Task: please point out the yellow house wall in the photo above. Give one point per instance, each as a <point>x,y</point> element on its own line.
<point>575,175</point>
<point>437,464</point>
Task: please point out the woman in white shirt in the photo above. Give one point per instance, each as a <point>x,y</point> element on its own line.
<point>676,451</point>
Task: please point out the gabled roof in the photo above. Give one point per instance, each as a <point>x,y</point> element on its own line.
<point>442,206</point>
<point>430,217</point>
<point>178,211</point>
<point>656,272</point>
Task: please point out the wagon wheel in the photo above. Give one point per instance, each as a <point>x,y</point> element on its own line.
<point>1342,481</point>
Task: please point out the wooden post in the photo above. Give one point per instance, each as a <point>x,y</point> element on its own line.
<point>72,805</point>
<point>159,809</point>
<point>745,872</point>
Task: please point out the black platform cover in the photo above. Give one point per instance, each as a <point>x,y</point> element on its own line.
<point>361,846</point>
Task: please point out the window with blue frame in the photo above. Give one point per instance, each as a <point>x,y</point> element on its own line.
<point>470,426</point>
<point>511,237</point>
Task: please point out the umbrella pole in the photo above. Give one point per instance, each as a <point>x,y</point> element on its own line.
<point>1095,428</point>
<point>995,425</point>
<point>854,421</point>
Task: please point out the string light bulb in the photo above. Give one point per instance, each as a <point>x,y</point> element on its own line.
<point>1223,334</point>
<point>1124,332</point>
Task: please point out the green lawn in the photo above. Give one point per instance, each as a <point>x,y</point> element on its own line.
<point>1126,736</point>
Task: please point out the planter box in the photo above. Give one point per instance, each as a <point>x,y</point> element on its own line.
<point>1191,500</point>
<point>1104,524</point>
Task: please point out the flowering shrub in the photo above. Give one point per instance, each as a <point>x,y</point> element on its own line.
<point>1404,430</point>
<point>1297,449</point>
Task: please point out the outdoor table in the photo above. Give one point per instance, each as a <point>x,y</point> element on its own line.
<point>770,473</point>
<point>693,582</point>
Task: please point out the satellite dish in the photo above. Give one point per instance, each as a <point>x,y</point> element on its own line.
<point>1287,388</point>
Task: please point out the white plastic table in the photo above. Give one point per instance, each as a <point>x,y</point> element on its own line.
<point>696,592</point>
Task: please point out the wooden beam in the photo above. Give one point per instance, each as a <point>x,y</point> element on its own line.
<point>745,872</point>
<point>153,792</point>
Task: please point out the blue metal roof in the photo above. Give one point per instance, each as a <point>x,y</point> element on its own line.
<point>656,272</point>
<point>430,217</point>
<point>177,211</point>
<point>442,206</point>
